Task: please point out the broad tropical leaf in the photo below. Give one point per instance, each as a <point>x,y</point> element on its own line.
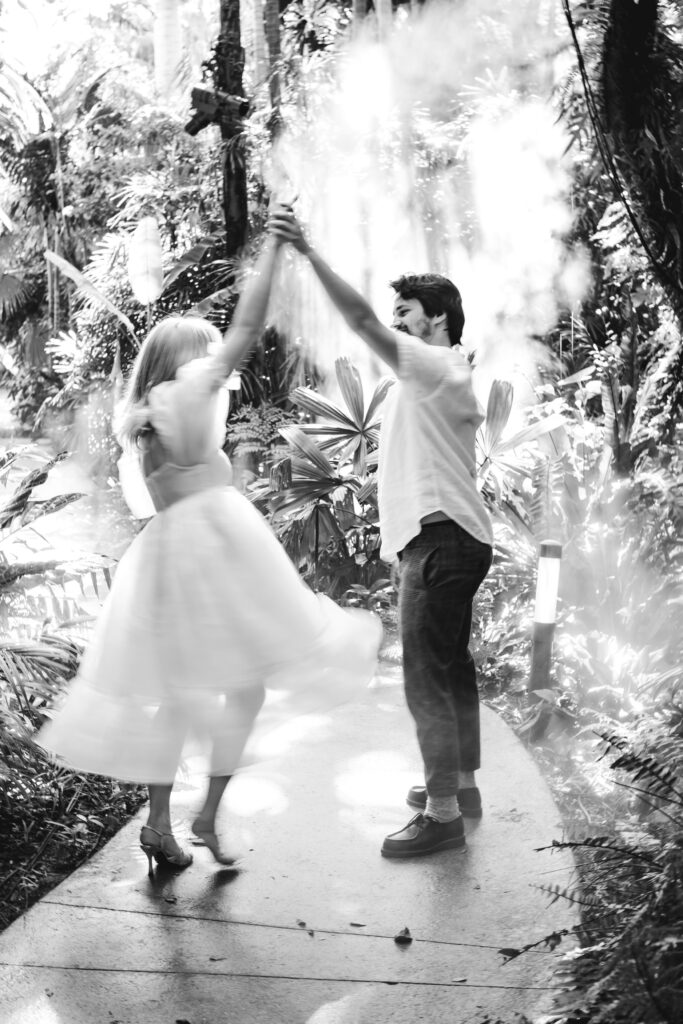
<point>145,271</point>
<point>206,305</point>
<point>190,260</point>
<point>498,411</point>
<point>367,494</point>
<point>532,432</point>
<point>90,290</point>
<point>579,377</point>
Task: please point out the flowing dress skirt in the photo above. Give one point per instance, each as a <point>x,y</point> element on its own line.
<point>206,612</point>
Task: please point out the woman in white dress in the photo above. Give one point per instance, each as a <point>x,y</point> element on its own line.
<point>206,614</point>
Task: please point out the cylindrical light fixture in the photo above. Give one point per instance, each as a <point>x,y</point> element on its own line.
<point>547,583</point>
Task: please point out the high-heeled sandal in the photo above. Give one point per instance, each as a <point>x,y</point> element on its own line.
<point>159,850</point>
<point>210,840</point>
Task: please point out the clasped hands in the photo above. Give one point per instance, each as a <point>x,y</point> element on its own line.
<point>285,227</point>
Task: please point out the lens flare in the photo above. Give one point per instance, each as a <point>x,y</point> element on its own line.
<point>436,148</point>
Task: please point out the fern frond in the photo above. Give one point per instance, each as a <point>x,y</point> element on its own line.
<point>550,942</point>
<point>603,844</point>
<point>662,780</point>
<point>574,896</point>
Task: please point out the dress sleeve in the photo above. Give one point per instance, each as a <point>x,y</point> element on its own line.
<point>189,413</point>
<point>133,485</point>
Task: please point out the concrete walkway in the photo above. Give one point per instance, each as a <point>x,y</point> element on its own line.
<point>303,932</point>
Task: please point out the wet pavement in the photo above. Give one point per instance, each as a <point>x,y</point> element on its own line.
<point>302,932</point>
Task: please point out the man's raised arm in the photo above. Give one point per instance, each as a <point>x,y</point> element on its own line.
<point>356,310</point>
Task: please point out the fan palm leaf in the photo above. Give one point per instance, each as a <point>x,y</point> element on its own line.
<point>378,396</point>
<point>354,432</point>
<point>315,404</point>
<point>351,388</point>
<point>308,448</point>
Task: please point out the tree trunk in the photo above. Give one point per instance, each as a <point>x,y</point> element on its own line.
<point>258,54</point>
<point>359,9</point>
<point>229,79</point>
<point>271,20</point>
<point>168,47</point>
<point>385,16</point>
<point>641,97</point>
<point>641,100</point>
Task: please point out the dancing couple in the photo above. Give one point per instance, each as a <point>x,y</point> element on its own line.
<point>207,614</point>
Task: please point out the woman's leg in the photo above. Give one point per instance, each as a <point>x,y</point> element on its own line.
<point>214,794</point>
<point>167,734</point>
<point>156,836</point>
<point>230,736</point>
<point>159,815</point>
<point>204,825</point>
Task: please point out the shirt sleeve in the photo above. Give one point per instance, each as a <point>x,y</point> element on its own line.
<point>433,370</point>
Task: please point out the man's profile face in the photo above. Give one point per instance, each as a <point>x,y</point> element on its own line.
<point>410,318</point>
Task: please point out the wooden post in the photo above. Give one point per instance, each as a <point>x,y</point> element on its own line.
<point>550,556</point>
<point>229,79</point>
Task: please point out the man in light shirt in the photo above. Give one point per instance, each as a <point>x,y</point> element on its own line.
<point>433,519</point>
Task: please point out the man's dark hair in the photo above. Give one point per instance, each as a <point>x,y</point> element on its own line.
<point>437,295</point>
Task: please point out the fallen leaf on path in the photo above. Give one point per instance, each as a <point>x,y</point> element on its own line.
<point>302,924</point>
<point>404,938</point>
<point>356,924</point>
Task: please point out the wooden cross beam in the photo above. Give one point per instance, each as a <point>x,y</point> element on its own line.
<point>215,107</point>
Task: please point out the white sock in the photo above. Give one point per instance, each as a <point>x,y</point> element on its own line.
<point>442,808</point>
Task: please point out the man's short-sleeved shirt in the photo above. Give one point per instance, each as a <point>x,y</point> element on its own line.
<point>426,452</point>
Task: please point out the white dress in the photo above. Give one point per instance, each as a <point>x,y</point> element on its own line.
<point>205,614</point>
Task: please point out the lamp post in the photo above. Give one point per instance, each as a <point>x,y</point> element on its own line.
<point>547,582</point>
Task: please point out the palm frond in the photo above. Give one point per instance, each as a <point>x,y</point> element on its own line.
<point>351,387</point>
<point>308,448</point>
<point>498,409</point>
<point>13,292</point>
<point>90,290</point>
<point>315,404</point>
<point>378,397</point>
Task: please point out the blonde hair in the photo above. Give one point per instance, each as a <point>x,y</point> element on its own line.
<point>170,344</point>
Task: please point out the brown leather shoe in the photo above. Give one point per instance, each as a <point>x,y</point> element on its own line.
<point>423,835</point>
<point>469,800</point>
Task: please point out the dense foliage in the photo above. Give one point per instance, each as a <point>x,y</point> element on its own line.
<point>52,818</point>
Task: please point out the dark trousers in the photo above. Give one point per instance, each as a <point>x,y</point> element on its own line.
<point>441,570</point>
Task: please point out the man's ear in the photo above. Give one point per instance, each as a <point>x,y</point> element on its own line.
<point>440,319</point>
